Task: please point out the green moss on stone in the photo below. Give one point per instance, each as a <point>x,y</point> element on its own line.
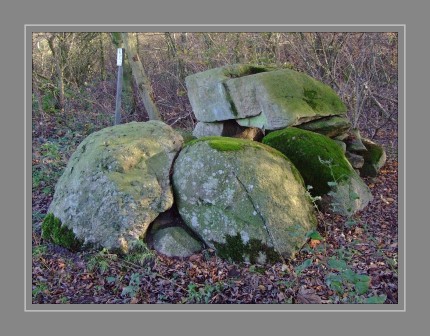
<point>235,249</point>
<point>59,234</point>
<point>225,144</point>
<point>305,149</point>
<point>221,143</point>
<point>295,88</point>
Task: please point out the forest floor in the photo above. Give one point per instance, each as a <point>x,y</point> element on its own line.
<point>352,261</point>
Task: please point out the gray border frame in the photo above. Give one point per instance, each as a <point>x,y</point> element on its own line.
<point>400,29</point>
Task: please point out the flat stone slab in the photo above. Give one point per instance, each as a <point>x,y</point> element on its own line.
<point>261,97</point>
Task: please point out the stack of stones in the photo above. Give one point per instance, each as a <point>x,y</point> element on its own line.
<point>248,101</point>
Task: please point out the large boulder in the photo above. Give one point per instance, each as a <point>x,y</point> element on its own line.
<point>324,167</point>
<point>260,97</point>
<point>116,183</point>
<point>244,199</point>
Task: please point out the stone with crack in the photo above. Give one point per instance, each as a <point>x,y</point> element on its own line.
<point>244,199</point>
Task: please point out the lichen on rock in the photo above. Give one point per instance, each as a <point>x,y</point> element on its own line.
<point>117,182</point>
<point>228,186</point>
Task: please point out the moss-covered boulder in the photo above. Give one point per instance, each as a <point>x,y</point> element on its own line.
<point>261,97</point>
<point>116,183</point>
<point>282,98</point>
<point>374,158</point>
<point>323,166</point>
<point>243,198</point>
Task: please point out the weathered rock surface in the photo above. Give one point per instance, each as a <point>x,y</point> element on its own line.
<point>341,144</point>
<point>116,183</point>
<point>175,242</point>
<point>242,198</point>
<point>208,129</point>
<point>329,126</point>
<point>208,93</point>
<point>323,166</point>
<point>354,143</point>
<point>356,161</point>
<point>374,158</point>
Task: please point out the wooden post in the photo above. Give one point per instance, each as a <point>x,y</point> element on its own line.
<point>119,62</point>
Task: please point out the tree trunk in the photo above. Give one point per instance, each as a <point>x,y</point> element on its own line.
<point>142,81</point>
<point>102,58</point>
<point>57,53</point>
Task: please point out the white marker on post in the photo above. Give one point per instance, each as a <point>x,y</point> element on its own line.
<point>119,57</point>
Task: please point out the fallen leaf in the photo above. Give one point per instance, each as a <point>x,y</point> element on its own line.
<point>194,257</point>
<point>134,300</point>
<point>358,231</point>
<point>307,296</point>
<point>314,243</point>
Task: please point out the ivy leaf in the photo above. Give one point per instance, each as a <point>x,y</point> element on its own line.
<point>299,269</point>
<point>350,276</point>
<point>126,290</point>
<point>338,265</point>
<point>314,235</point>
<point>376,299</point>
<point>362,287</point>
<point>110,279</point>
<point>334,281</point>
<point>350,222</point>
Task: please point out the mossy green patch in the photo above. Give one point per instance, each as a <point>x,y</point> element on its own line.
<point>302,93</point>
<point>221,143</point>
<point>59,234</point>
<point>235,249</point>
<point>225,144</point>
<point>306,150</point>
